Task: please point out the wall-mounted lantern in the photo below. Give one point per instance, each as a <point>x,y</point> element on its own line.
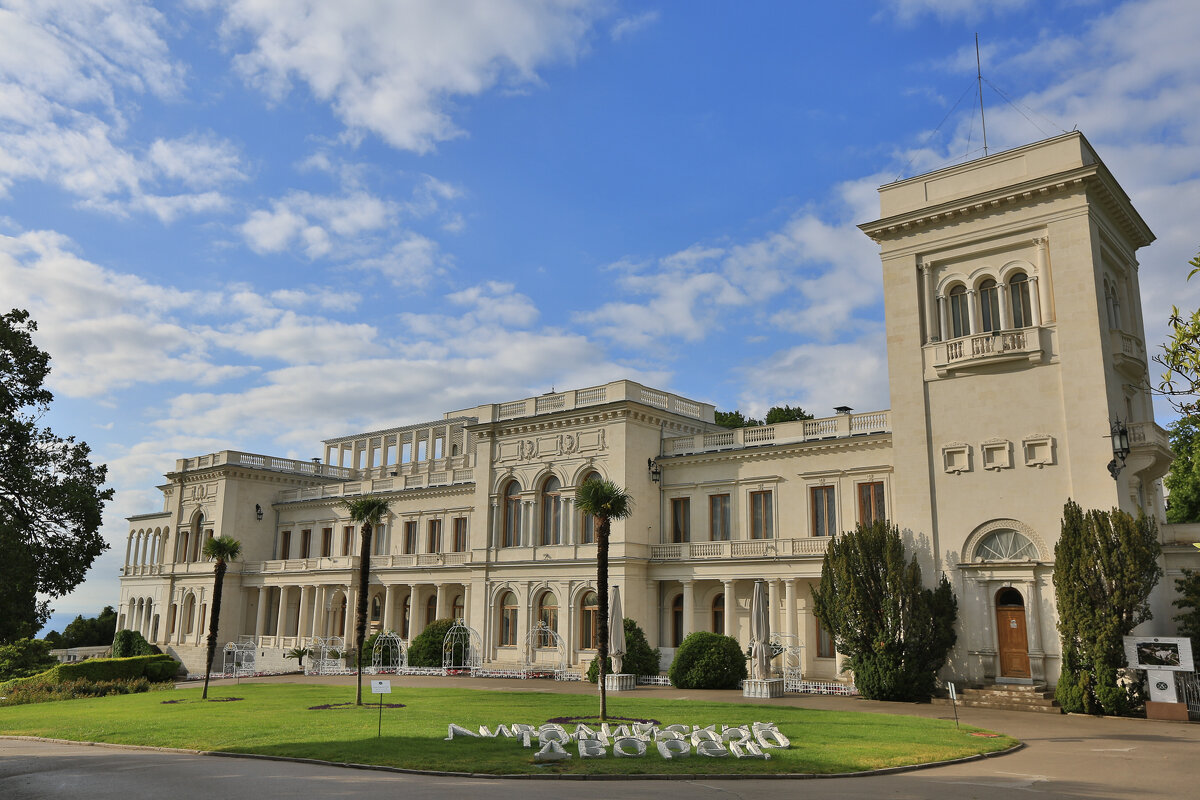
<point>258,512</point>
<point>655,470</point>
<point>1119,433</point>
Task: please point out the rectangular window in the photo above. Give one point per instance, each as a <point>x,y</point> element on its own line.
<point>437,447</point>
<point>825,648</point>
<point>406,453</point>
<point>285,544</point>
<point>762,522</point>
<point>379,541</point>
<point>681,520</point>
<point>434,539</point>
<point>460,534</point>
<point>422,450</point>
<point>410,537</point>
<point>347,538</point>
<point>870,502</point>
<point>718,506</point>
<point>326,542</point>
<point>305,543</point>
<point>824,512</point>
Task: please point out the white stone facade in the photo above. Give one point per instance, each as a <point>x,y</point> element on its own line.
<point>1014,340</point>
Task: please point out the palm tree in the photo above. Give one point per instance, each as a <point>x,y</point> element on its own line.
<point>605,501</point>
<point>367,512</point>
<point>222,550</point>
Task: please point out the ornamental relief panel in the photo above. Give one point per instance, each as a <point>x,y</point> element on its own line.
<point>543,447</point>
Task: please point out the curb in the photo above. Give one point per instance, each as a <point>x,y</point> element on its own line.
<point>552,777</point>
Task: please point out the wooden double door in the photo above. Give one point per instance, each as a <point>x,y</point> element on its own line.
<point>1011,634</point>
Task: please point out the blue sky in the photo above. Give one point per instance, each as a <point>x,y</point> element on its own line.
<point>254,224</point>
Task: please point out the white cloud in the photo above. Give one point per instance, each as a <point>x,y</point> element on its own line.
<point>628,26</point>
<point>313,222</point>
<point>197,161</point>
<point>819,377</point>
<point>393,69</point>
<point>910,10</point>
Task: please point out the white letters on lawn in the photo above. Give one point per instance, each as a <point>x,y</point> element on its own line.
<point>633,741</point>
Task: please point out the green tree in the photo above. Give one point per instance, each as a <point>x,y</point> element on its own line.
<point>425,649</point>
<point>605,501</point>
<point>1106,564</point>
<point>708,661</point>
<point>779,414</point>
<point>222,550</point>
<point>90,631</point>
<point>1188,603</point>
<point>25,657</point>
<point>640,657</point>
<point>735,419</point>
<point>1183,481</point>
<point>896,634</point>
<point>1181,356</point>
<point>367,512</point>
<point>50,496</point>
<point>127,643</point>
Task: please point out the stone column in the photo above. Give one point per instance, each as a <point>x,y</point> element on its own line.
<point>416,614</point>
<point>973,309</point>
<point>808,632</point>
<point>128,548</point>
<point>689,608</point>
<point>527,526</point>
<point>927,284</point>
<point>388,600</point>
<point>260,613</point>
<point>730,608</point>
<point>302,610</point>
<point>1002,299</point>
<point>281,616</point>
<point>944,318</point>
<point>441,601</point>
<point>773,604</point>
<point>654,615</point>
<point>467,599</point>
<point>1035,305</point>
<point>351,612</point>
<point>1045,298</point>
<point>789,607</point>
<point>179,624</point>
<point>314,630</point>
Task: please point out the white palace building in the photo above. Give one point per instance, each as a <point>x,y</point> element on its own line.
<point>1015,340</point>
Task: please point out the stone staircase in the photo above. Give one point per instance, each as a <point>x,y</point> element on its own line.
<point>1007,697</point>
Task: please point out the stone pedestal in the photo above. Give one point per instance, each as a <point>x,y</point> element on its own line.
<point>771,687</point>
<point>620,682</point>
<point>1174,712</point>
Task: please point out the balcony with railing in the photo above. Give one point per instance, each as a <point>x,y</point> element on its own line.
<point>311,469</point>
<point>1149,451</point>
<point>986,348</point>
<point>597,395</point>
<point>430,473</point>
<point>807,547</point>
<point>1128,353</point>
<point>839,426</point>
<point>350,563</point>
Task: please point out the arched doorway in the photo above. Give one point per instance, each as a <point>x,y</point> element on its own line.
<point>1010,634</point>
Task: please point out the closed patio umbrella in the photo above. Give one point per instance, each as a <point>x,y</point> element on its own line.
<point>616,631</point>
<point>760,636</point>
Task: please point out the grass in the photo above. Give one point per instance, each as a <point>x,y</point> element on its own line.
<point>274,719</point>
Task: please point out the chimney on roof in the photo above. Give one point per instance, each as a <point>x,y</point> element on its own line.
<point>843,409</point>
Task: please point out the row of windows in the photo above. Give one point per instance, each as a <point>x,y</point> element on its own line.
<point>822,501</point>
<point>550,524</point>
<point>1020,303</point>
<point>433,542</point>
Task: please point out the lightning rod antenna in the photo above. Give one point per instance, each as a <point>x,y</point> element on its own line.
<point>979,78</point>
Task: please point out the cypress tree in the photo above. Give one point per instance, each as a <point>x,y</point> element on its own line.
<point>1106,564</point>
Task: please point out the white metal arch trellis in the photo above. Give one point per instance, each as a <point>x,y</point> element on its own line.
<point>239,657</point>
<point>325,655</point>
<point>388,655</point>
<point>790,650</point>
<point>538,642</point>
<point>462,649</point>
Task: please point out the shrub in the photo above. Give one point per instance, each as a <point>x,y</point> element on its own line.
<point>640,658</point>
<point>426,647</point>
<point>41,691</point>
<point>25,657</point>
<point>128,643</point>
<point>708,661</point>
<point>153,668</point>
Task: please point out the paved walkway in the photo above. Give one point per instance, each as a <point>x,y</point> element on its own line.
<point>1065,756</point>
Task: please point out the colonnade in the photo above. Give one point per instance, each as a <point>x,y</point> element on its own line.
<point>145,548</point>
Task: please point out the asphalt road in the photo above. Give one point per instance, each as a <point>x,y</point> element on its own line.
<point>1065,756</point>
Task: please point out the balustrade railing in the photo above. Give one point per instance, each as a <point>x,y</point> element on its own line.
<point>782,433</point>
<point>811,546</point>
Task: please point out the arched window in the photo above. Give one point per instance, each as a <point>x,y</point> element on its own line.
<point>1022,308</point>
<point>1006,545</point>
<point>960,316</point>
<point>1009,597</point>
<point>589,611</point>
<point>587,523</point>
<point>512,515</point>
<point>718,613</point>
<point>376,609</point>
<point>508,620</point>
<point>677,621</point>
<point>431,609</point>
<point>551,511</point>
<point>989,306</point>
<point>547,610</point>
<point>456,608</point>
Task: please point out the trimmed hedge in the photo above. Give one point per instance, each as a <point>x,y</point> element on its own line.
<point>153,668</point>
<point>426,647</point>
<point>38,691</point>
<point>128,643</point>
<point>708,661</point>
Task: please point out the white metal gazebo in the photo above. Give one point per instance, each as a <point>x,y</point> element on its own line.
<point>462,649</point>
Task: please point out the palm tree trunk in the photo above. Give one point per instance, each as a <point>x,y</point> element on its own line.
<point>602,611</point>
<point>214,620</point>
<point>360,613</point>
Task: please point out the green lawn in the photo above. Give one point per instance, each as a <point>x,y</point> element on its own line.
<point>275,719</point>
